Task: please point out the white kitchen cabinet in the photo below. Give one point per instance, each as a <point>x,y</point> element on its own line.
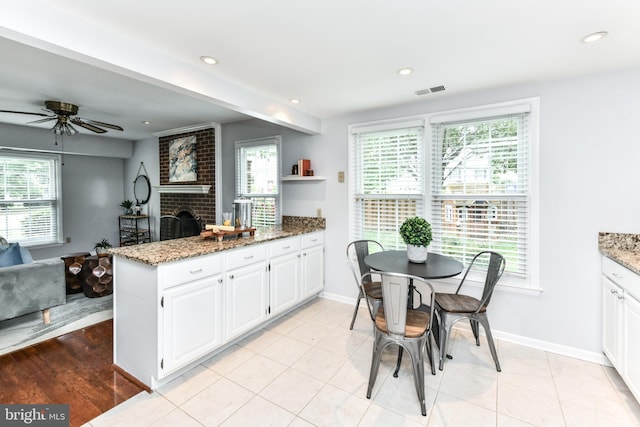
<point>192,322</point>
<point>246,290</point>
<point>631,344</point>
<point>312,264</point>
<point>285,289</point>
<point>611,320</point>
<point>621,321</point>
<point>165,316</point>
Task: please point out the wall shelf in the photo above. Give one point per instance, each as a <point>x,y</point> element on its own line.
<point>303,178</point>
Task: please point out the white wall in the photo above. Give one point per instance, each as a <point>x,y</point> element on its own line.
<point>589,174</point>
<point>92,185</point>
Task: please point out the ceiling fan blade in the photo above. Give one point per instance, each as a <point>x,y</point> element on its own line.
<point>106,125</point>
<point>23,112</point>
<point>46,119</point>
<point>77,121</point>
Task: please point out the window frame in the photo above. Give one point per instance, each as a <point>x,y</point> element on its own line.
<point>57,238</point>
<point>275,140</point>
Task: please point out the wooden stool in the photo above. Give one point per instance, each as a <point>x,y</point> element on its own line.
<point>72,266</point>
<point>97,276</point>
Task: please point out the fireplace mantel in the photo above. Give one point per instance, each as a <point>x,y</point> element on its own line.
<point>183,189</point>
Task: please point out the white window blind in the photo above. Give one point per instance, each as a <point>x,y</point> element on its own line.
<point>29,198</point>
<point>257,168</point>
<point>480,188</point>
<point>387,180</point>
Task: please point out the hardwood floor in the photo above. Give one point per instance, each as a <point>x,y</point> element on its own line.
<point>74,369</point>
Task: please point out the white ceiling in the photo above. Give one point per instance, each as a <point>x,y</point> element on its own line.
<point>124,62</point>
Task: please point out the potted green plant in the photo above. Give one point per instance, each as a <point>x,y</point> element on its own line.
<point>127,205</point>
<point>416,233</point>
<point>102,246</point>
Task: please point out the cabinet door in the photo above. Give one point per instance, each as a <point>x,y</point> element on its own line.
<point>284,279</point>
<point>246,298</point>
<point>191,321</point>
<point>611,321</point>
<point>312,270</point>
<point>631,340</point>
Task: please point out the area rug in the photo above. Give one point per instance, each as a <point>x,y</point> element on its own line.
<point>79,312</point>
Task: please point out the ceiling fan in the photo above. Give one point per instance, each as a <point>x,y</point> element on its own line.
<point>62,113</point>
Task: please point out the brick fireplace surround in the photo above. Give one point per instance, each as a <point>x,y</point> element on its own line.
<point>202,205</point>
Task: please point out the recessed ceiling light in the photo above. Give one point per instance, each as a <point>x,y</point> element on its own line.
<point>405,71</point>
<point>209,60</point>
<point>146,122</point>
<point>593,37</point>
<point>294,101</point>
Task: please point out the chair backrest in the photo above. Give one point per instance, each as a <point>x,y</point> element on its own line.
<point>495,268</point>
<point>356,253</point>
<point>395,297</point>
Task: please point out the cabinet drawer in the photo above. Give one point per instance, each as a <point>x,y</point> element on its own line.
<point>622,276</point>
<point>284,246</point>
<point>187,270</point>
<point>312,239</point>
<point>249,255</point>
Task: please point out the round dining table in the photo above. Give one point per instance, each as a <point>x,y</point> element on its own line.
<point>437,267</point>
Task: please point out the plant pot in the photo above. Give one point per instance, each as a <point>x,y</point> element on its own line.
<point>128,211</point>
<point>417,254</point>
<point>102,251</point>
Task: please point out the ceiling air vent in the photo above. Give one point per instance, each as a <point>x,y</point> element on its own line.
<point>430,90</point>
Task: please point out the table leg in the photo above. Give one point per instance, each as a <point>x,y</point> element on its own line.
<point>395,373</point>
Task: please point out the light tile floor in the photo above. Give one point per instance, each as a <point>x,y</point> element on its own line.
<point>309,369</point>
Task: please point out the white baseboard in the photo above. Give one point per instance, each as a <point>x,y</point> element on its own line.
<point>564,350</point>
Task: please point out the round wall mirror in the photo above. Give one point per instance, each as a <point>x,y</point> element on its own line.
<point>142,189</point>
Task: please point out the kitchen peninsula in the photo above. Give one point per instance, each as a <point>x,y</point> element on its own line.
<point>178,301</point>
<point>621,304</point>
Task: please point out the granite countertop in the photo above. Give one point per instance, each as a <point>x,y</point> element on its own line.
<point>622,248</point>
<point>155,253</point>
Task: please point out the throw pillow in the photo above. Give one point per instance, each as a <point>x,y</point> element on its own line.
<point>25,255</point>
<point>10,256</point>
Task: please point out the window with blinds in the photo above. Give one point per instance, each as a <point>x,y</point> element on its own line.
<point>480,188</point>
<point>257,168</point>
<point>30,198</point>
<point>387,180</point>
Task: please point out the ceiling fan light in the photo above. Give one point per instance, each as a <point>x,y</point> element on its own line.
<point>70,130</point>
<point>57,128</point>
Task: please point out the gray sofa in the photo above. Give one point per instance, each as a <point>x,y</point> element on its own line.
<point>27,288</point>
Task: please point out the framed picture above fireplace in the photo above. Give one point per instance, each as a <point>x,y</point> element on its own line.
<point>183,160</point>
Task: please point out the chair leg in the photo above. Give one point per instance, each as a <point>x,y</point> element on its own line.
<point>476,330</point>
<point>487,330</point>
<point>429,349</point>
<point>445,330</point>
<point>355,311</point>
<point>378,347</point>
<point>416,352</point>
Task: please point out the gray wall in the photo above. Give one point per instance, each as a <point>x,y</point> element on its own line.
<point>92,185</point>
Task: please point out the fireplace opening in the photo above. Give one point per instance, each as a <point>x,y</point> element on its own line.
<point>183,222</point>
<point>189,225</point>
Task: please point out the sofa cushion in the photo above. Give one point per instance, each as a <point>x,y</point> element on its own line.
<point>24,252</point>
<point>10,256</point>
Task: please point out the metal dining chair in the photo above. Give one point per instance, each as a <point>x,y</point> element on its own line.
<point>410,329</point>
<point>356,252</point>
<point>451,308</point>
